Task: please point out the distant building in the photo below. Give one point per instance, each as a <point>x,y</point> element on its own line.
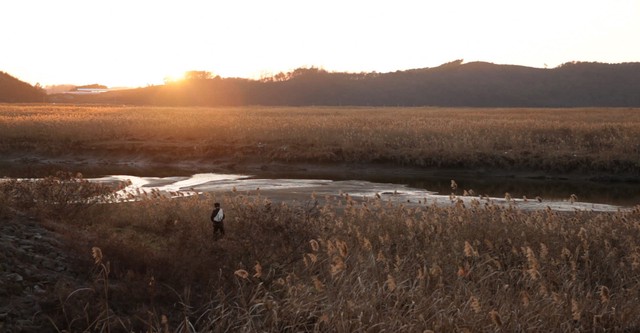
<point>84,91</point>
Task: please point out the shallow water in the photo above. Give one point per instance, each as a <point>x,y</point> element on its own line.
<point>619,193</point>
<point>303,189</point>
<point>625,194</point>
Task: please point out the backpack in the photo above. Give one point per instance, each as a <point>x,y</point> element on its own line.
<point>219,217</point>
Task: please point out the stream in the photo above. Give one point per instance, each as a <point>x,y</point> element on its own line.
<point>410,186</point>
<point>301,190</point>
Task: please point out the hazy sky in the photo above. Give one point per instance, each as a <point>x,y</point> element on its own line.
<point>137,42</point>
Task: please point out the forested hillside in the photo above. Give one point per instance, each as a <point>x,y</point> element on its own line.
<point>475,84</point>
<point>13,90</point>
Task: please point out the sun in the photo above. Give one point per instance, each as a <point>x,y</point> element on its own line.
<point>174,78</point>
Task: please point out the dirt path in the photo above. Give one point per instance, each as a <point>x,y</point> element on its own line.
<point>34,265</point>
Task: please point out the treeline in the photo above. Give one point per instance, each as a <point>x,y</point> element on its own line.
<point>13,90</point>
<point>476,84</point>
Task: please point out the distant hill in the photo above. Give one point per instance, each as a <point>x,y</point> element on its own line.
<point>59,88</point>
<point>13,90</point>
<point>92,86</point>
<point>475,84</point>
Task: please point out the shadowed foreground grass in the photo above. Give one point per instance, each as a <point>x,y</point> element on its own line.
<point>585,140</point>
<point>343,265</point>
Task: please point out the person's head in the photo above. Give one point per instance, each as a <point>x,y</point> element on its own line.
<point>216,205</point>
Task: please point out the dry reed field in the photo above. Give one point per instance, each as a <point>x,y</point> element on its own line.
<point>334,264</point>
<point>331,264</point>
<point>548,140</point>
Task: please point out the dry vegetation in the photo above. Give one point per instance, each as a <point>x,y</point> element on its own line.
<point>339,265</point>
<point>334,264</point>
<point>551,140</point>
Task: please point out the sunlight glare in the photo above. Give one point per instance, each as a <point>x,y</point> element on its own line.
<point>174,78</point>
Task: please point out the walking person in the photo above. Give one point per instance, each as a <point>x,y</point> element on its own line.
<point>217,217</point>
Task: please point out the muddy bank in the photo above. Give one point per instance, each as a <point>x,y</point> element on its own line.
<point>20,165</point>
<point>103,163</point>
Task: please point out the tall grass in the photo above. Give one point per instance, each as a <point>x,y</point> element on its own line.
<point>560,140</point>
<point>344,265</point>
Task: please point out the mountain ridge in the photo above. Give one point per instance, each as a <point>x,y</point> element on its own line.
<point>453,84</point>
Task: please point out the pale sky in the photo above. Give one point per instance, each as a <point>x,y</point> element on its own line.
<point>139,42</point>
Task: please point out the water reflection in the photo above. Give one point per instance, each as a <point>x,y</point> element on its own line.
<point>302,189</point>
<point>613,193</point>
<point>623,193</point>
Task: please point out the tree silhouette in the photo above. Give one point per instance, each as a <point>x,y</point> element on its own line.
<point>475,84</point>
<point>197,75</point>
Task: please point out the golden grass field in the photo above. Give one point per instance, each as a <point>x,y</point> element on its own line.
<point>547,140</point>
<point>335,264</point>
